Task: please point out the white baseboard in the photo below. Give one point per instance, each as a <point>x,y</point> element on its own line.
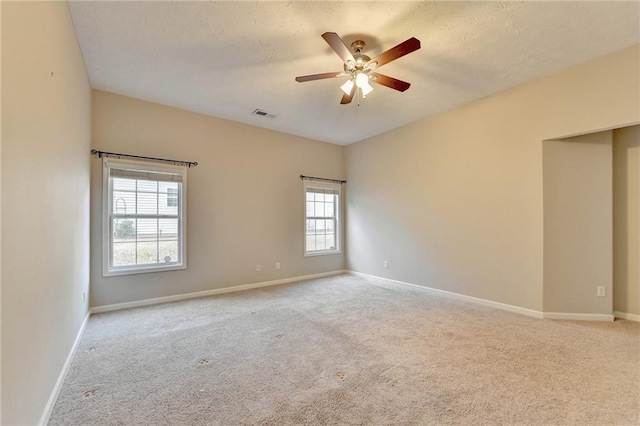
<point>44,419</point>
<point>485,302</point>
<point>627,316</point>
<point>185,296</point>
<point>577,317</point>
<point>512,308</point>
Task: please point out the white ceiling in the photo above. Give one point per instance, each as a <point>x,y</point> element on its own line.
<point>226,59</point>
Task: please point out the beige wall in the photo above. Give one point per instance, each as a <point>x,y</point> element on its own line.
<point>244,198</point>
<point>45,202</point>
<point>0,221</point>
<point>455,201</point>
<point>578,234</point>
<point>626,224</point>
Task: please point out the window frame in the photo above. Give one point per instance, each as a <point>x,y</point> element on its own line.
<point>108,270</point>
<point>338,217</point>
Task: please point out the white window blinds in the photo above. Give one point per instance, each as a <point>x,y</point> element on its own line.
<point>144,175</point>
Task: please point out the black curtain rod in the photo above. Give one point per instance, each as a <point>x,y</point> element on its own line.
<point>324,179</point>
<point>101,154</point>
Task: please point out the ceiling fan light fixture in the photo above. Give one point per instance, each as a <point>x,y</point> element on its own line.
<point>362,79</point>
<point>362,82</point>
<point>349,66</point>
<point>347,87</point>
<point>366,88</point>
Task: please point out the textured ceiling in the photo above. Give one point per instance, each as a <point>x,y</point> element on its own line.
<point>226,59</point>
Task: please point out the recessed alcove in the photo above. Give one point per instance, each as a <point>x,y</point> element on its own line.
<point>591,226</point>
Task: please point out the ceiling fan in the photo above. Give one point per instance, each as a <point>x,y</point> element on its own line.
<point>361,69</point>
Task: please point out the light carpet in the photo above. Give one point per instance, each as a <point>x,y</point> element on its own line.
<point>348,350</point>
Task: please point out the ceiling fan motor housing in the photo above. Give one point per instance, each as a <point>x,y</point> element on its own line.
<point>360,59</point>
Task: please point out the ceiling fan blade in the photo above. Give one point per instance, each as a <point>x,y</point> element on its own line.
<point>338,46</point>
<point>391,82</point>
<point>346,99</point>
<point>396,52</point>
<point>312,77</point>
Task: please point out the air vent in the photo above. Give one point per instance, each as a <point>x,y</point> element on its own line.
<point>263,113</point>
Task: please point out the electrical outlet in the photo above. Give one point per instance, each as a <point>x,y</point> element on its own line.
<point>385,264</point>
<point>258,268</point>
<point>601,291</point>
<point>277,265</point>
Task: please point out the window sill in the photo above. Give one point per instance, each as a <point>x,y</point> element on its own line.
<point>322,253</point>
<point>142,270</point>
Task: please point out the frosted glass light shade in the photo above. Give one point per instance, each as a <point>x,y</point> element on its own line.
<point>366,89</point>
<point>346,87</point>
<point>362,79</point>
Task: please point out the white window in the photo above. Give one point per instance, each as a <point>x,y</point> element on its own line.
<point>144,217</point>
<point>322,218</point>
